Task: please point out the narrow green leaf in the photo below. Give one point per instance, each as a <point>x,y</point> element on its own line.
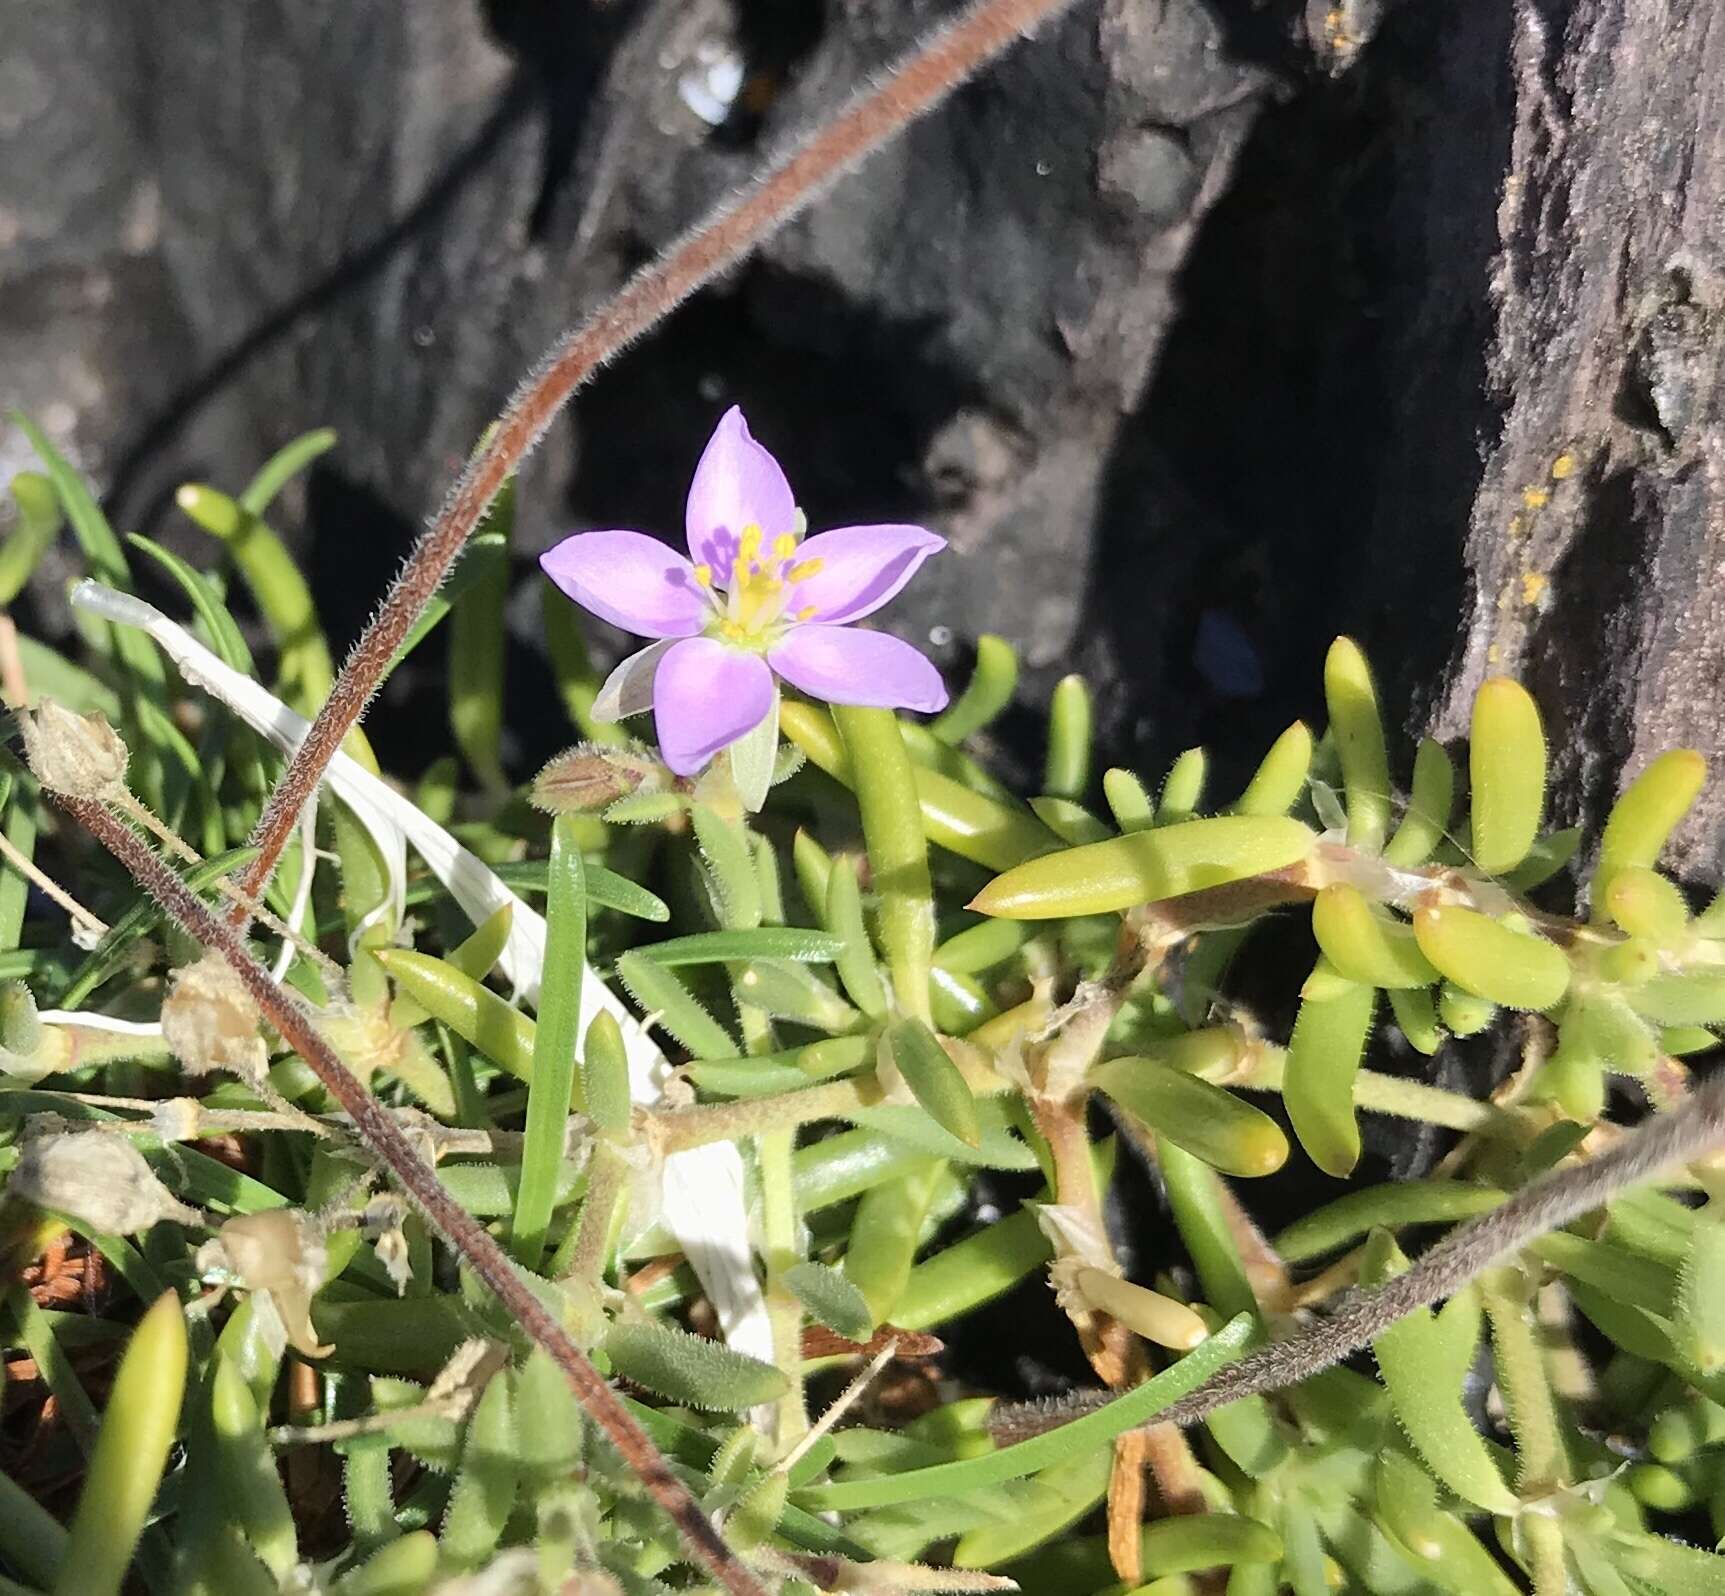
<point>283,466</point>
<point>1066,772</point>
<point>691,1369</point>
<point>1644,817</point>
<point>486,1481</point>
<point>1365,944</point>
<point>763,942</point>
<point>1134,1408</point>
<point>1424,1375</point>
<point>552,1089</point>
<point>1183,788</point>
<point>137,1431</point>
<point>306,671</point>
<point>475,1013</point>
<point>971,1272</point>
<point>1223,1130</point>
<point>1386,1207</point>
<point>251,1490</point>
<point>39,523</point>
<point>1132,807</point>
<point>730,868</point>
<point>1701,1294</point>
<point>663,996</point>
<point>1645,904</point>
<point>989,830</point>
<point>1416,1014</point>
<point>1196,1201</point>
<point>224,632</point>
<point>1491,959</point>
<point>1358,730</point>
<point>982,946</point>
<point>856,959</point>
<point>985,695</point>
<point>1145,867</point>
<point>935,1080</point>
<point>1280,779</point>
<point>1070,822</point>
<point>1318,1081</point>
<point>884,1236</point>
<point>898,852</point>
<point>1506,764</point>
<point>1425,823</point>
<point>783,990</point>
<point>405,1567</point>
<point>605,1075</point>
<point>830,1299</point>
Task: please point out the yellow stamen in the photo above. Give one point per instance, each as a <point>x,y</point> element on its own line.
<point>784,546</point>
<point>806,613</point>
<point>804,569</point>
<point>749,544</point>
<point>703,575</point>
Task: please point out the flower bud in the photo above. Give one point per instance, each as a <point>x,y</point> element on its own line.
<point>96,1178</point>
<point>79,755</point>
<point>591,776</point>
<point>211,1023</point>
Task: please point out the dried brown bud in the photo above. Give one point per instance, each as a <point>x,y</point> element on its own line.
<point>591,776</point>
<point>79,755</point>
<point>97,1178</point>
<point>211,1023</point>
<point>279,1251</point>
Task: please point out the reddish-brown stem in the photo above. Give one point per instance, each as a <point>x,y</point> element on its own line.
<point>1690,1131</point>
<point>918,83</point>
<point>486,1259</point>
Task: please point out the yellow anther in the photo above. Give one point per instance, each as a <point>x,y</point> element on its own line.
<point>806,613</point>
<point>804,569</point>
<point>784,546</point>
<point>703,575</point>
<point>749,544</point>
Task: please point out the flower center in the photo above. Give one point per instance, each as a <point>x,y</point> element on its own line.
<point>758,599</point>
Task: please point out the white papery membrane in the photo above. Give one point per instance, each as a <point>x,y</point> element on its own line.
<point>704,1203</point>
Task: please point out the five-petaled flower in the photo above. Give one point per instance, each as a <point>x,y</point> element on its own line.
<point>755,601</point>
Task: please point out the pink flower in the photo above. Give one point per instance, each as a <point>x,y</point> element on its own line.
<point>755,602</point>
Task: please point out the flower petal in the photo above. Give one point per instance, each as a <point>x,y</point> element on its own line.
<point>861,568</point>
<point>705,696</point>
<point>853,667</point>
<point>736,484</point>
<point>631,580</point>
<point>628,690</point>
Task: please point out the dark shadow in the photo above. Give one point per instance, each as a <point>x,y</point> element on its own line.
<point>349,273</point>
<point>1306,457</point>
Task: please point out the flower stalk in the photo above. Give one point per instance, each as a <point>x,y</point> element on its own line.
<point>930,72</point>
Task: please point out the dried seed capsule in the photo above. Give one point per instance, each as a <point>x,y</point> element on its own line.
<point>98,1179</point>
<point>211,1023</point>
<point>79,755</point>
<point>278,1251</point>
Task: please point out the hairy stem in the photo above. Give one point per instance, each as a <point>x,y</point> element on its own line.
<point>921,81</point>
<point>458,1228</point>
<point>1694,1128</point>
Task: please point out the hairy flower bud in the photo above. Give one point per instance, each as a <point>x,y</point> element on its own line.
<point>591,776</point>
<point>97,1178</point>
<point>79,755</point>
<point>211,1023</point>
